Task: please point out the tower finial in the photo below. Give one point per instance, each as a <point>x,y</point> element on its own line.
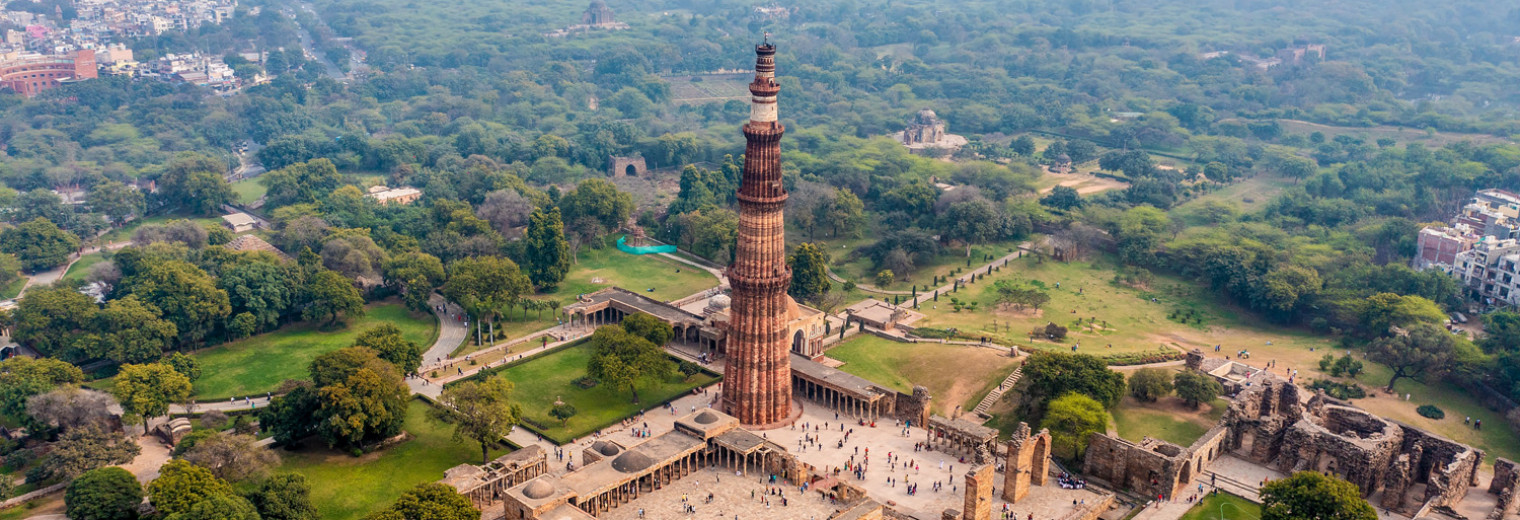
<point>767,39</point>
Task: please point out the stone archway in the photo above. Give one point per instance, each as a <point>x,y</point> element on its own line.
<point>631,171</point>
<point>1039,466</point>
<point>799,343</point>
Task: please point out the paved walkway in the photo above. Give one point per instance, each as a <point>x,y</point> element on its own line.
<point>451,332</point>
<point>46,278</point>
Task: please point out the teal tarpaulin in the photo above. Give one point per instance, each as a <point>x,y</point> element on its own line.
<point>623,246</point>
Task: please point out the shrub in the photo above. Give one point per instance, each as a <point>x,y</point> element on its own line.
<point>1430,411</point>
<point>1339,390</point>
<point>933,333</point>
<point>1150,384</point>
<point>214,420</point>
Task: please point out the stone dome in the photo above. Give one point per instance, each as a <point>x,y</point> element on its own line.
<point>927,116</point>
<point>721,301</point>
<point>606,448</point>
<point>538,489</point>
<point>631,462</point>
<point>706,417</point>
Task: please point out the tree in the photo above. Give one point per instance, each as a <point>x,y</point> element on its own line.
<point>180,485</point>
<point>291,417</point>
<point>184,293</point>
<point>88,447</point>
<point>131,331</point>
<point>505,210</point>
<point>1501,332</point>
<point>219,507</point>
<point>482,411</point>
<point>885,277</point>
<point>1289,286</point>
<point>1425,352</point>
<point>195,182</point>
<point>1150,384</point>
<point>110,493</point>
<point>810,272</point>
<point>1140,231</point>
<point>22,377</point>
<point>1022,145</point>
<point>286,496</point>
<point>186,232</point>
<point>546,253</point>
<point>1216,171</point>
<point>598,199</point>
<point>417,274</point>
<point>38,244</point>
<point>330,295</point>
<point>300,182</point>
<point>650,328</point>
<point>69,407</point>
<point>353,253</point>
<point>10,269</point>
<point>1072,419</point>
<point>232,457</point>
<point>1378,313</point>
<point>429,501</point>
<point>1052,373</point>
<point>55,322</point>
<point>1195,387</point>
<point>1310,495</point>
<point>184,364</point>
<point>360,397</point>
<point>846,212</point>
<point>1062,198</point>
<point>563,412</point>
<point>621,359</point>
<point>971,222</point>
<point>146,390</point>
<point>386,340</point>
<point>484,285</point>
<point>116,201</point>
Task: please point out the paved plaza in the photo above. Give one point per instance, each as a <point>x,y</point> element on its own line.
<point>733,497</point>
<point>927,467</point>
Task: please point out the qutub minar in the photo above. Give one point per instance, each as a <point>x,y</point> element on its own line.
<point>758,382</point>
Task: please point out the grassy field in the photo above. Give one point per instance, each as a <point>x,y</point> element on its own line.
<point>863,271</point>
<point>602,268</point>
<point>1168,419</point>
<point>81,268</point>
<point>1223,506</point>
<point>125,232</point>
<point>48,505</point>
<point>955,375</point>
<point>248,190</point>
<point>258,364</point>
<point>1127,318</point>
<point>1496,438</point>
<point>344,487</point>
<point>13,289</point>
<point>1247,196</point>
<point>542,380</point>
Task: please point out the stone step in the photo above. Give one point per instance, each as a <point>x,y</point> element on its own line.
<point>996,393</point>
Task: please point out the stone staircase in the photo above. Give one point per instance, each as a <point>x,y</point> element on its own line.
<point>996,393</point>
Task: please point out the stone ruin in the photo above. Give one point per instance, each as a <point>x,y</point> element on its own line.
<point>485,485</point>
<point>1414,470</point>
<point>1028,462</point>
<point>1152,467</point>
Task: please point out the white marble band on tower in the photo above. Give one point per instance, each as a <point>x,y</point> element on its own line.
<point>762,109</point>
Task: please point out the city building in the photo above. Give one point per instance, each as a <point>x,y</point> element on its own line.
<point>403,195</point>
<point>1489,271</point>
<point>240,222</point>
<point>30,73</point>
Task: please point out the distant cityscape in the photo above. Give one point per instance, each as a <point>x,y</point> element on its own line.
<point>43,51</point>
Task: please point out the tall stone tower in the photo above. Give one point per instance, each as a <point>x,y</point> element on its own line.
<point>757,386</point>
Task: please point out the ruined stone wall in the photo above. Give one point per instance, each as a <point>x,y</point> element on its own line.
<point>979,483</point>
<point>1028,462</point>
<point>1446,467</point>
<point>1506,484</point>
<point>914,407</point>
<point>1125,465</point>
<point>1360,453</point>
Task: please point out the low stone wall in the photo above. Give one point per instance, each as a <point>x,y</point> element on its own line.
<point>1092,510</point>
<point>35,494</point>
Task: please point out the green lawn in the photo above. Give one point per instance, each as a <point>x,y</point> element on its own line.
<point>248,190</point>
<point>542,380</point>
<point>13,289</point>
<point>1223,506</point>
<point>1167,419</point>
<point>599,269</point>
<point>955,375</point>
<point>863,271</point>
<point>81,268</point>
<point>125,232</point>
<point>258,364</point>
<point>344,487</point>
<point>633,272</point>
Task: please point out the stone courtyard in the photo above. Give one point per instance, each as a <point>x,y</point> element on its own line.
<point>1048,501</point>
<point>731,499</point>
